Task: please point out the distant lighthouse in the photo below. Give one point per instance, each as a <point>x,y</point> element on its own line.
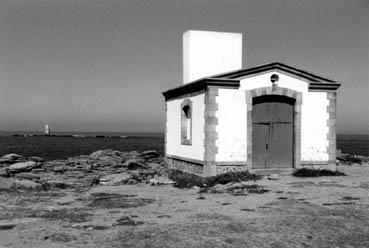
<point>47,130</point>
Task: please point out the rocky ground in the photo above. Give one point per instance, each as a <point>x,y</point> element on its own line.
<point>104,167</point>
<point>125,199</point>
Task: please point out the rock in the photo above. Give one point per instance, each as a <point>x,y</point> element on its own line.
<point>132,154</point>
<point>273,177</point>
<point>36,159</point>
<point>22,167</point>
<point>27,175</point>
<point>6,183</point>
<point>95,181</point>
<point>350,159</point>
<point>26,184</point>
<point>108,157</point>
<point>3,172</point>
<point>161,169</point>
<point>132,181</point>
<point>235,186</point>
<point>224,188</point>
<point>219,187</point>
<point>11,158</point>
<point>158,180</point>
<point>58,184</point>
<point>155,166</point>
<point>87,168</point>
<point>78,167</point>
<point>98,154</point>
<point>239,191</point>
<point>135,174</point>
<point>104,153</point>
<point>76,225</point>
<point>115,179</point>
<point>149,154</point>
<point>38,170</point>
<point>50,165</point>
<point>134,164</point>
<point>80,176</point>
<point>146,173</point>
<point>45,184</point>
<point>248,183</point>
<point>229,187</point>
<point>59,169</point>
<point>157,160</point>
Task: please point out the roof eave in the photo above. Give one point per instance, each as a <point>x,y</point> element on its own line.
<point>323,86</point>
<point>200,85</point>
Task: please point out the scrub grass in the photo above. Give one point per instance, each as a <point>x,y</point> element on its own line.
<point>187,180</point>
<point>304,172</point>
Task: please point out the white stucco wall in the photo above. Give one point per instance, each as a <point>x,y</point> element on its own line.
<point>173,127</point>
<point>314,128</point>
<point>231,128</point>
<point>314,114</point>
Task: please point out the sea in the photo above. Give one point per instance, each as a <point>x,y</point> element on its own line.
<point>61,145</point>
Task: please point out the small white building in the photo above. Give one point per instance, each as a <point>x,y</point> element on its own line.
<point>272,118</point>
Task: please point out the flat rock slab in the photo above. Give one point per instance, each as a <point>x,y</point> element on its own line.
<point>6,183</point>
<point>13,183</point>
<point>22,167</point>
<point>157,180</point>
<point>115,179</point>
<point>11,158</point>
<point>3,172</point>
<point>26,184</point>
<point>28,175</point>
<point>59,184</point>
<point>36,159</point>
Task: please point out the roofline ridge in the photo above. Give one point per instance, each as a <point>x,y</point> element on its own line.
<point>309,72</point>
<point>279,64</point>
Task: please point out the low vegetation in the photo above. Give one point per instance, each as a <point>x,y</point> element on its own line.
<point>187,180</point>
<point>304,172</point>
<point>107,201</point>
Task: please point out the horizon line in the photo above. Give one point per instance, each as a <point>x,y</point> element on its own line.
<point>152,132</point>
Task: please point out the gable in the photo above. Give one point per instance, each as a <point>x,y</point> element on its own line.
<point>233,79</point>
<point>316,82</point>
<point>311,77</point>
<point>285,81</point>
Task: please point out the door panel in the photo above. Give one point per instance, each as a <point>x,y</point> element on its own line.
<point>281,145</point>
<point>272,132</point>
<point>260,140</point>
<point>272,112</point>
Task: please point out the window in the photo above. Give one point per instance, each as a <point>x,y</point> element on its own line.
<point>186,122</point>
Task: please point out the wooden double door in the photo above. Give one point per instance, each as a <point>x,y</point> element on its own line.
<point>272,132</point>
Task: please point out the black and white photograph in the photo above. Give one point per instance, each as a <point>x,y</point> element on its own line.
<point>184,123</point>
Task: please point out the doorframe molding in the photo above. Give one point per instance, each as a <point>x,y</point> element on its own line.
<point>275,90</point>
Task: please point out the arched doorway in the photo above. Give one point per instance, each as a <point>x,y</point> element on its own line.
<point>272,132</point>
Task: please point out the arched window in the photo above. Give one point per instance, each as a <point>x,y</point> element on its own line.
<point>186,122</point>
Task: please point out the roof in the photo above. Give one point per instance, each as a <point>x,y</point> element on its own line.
<point>232,79</point>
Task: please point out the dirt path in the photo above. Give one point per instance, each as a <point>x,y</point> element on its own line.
<point>296,212</point>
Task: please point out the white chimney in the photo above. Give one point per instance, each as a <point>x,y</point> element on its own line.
<point>207,53</point>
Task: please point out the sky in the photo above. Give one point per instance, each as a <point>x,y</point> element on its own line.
<point>101,65</point>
